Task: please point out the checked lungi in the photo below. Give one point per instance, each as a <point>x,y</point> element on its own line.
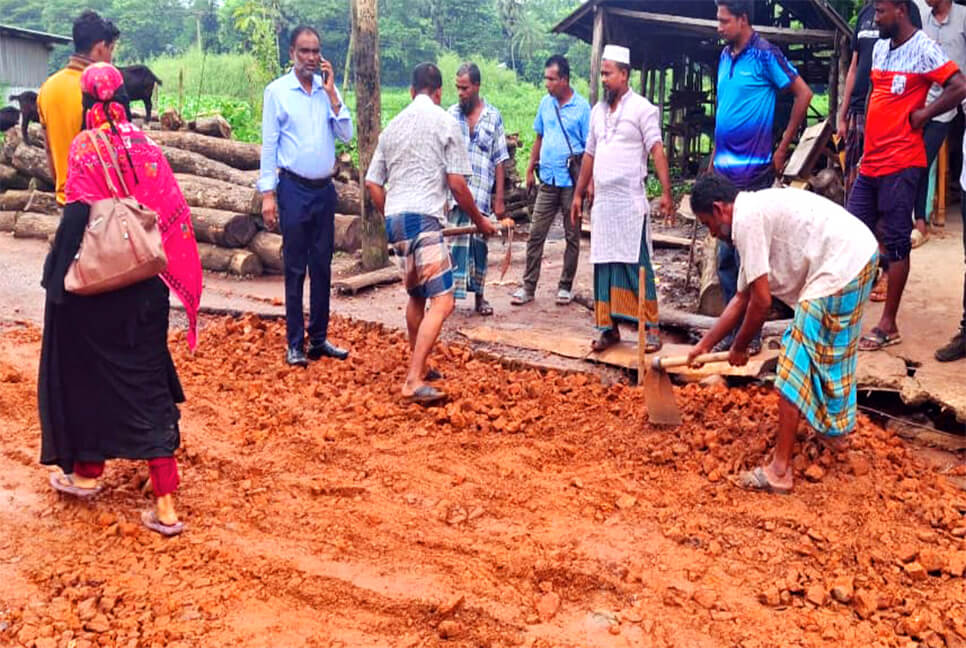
<point>418,241</point>
<point>816,369</point>
<point>469,255</point>
<point>616,291</point>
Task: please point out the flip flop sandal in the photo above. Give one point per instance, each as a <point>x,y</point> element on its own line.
<point>652,343</point>
<point>65,484</point>
<point>150,520</point>
<point>754,347</point>
<point>432,376</point>
<point>877,339</point>
<point>604,342</point>
<point>484,309</point>
<point>756,480</point>
<point>426,395</point>
<point>521,297</point>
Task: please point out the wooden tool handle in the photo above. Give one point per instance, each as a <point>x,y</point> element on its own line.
<point>681,361</point>
<point>504,224</point>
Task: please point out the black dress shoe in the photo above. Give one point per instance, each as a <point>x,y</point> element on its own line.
<point>328,350</point>
<point>296,357</point>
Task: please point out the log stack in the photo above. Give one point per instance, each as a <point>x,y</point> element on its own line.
<point>217,176</point>
<point>515,191</point>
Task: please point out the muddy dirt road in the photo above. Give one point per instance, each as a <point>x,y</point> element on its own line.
<point>535,509</point>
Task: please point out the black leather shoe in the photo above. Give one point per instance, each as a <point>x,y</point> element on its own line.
<point>327,350</point>
<point>296,357</point>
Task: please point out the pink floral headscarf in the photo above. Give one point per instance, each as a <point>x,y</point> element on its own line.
<point>145,169</point>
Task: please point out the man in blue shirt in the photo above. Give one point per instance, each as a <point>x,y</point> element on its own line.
<point>302,115</point>
<point>562,124</point>
<point>751,73</point>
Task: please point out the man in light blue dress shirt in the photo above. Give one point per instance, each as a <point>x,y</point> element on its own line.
<point>302,116</point>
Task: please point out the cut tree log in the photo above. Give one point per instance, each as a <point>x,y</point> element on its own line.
<point>352,285</point>
<point>710,297</point>
<point>171,120</point>
<point>223,228</point>
<point>213,126</point>
<point>32,161</point>
<point>349,197</point>
<point>8,219</point>
<point>241,155</point>
<point>10,178</point>
<point>11,140</point>
<point>33,225</point>
<point>183,161</point>
<point>218,194</point>
<point>348,232</point>
<point>234,261</point>
<point>28,200</point>
<point>268,247</point>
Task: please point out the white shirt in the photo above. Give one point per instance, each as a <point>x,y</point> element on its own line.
<point>620,140</point>
<point>416,151</point>
<point>808,246</point>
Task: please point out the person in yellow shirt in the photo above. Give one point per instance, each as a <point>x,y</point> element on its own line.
<point>59,100</point>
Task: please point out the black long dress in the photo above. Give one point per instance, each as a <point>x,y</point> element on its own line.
<point>107,386</point>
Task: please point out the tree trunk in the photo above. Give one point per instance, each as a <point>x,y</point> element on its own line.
<point>234,261</point>
<point>365,56</point>
<point>268,247</point>
<point>171,120</point>
<point>350,198</point>
<point>183,161</point>
<point>241,155</point>
<point>40,202</point>
<point>711,299</point>
<point>8,220</point>
<point>214,126</point>
<point>33,225</point>
<point>10,178</point>
<point>348,233</point>
<point>596,51</point>
<point>33,162</point>
<point>217,194</point>
<point>227,229</point>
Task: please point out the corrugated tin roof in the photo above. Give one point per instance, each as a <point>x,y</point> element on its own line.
<point>31,34</point>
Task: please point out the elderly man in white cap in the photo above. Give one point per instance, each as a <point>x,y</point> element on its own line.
<point>624,129</point>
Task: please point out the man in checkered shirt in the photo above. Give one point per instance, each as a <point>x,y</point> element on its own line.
<point>482,128</point>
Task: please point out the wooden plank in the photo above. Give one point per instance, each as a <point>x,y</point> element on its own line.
<point>705,27</point>
<point>942,185</point>
<point>810,147</point>
<point>352,285</point>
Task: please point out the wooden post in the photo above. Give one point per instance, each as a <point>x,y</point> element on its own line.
<point>942,183</point>
<point>365,39</point>
<point>833,83</point>
<point>661,95</point>
<point>596,52</point>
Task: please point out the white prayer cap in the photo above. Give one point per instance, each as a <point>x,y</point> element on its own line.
<point>617,54</point>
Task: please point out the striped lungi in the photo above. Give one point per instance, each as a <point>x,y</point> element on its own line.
<point>418,242</point>
<point>469,254</point>
<point>816,369</point>
<point>616,291</point>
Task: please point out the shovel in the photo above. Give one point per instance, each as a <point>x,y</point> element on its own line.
<point>662,409</point>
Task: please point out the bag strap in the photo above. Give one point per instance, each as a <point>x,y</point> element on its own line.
<point>562,127</point>
<point>99,135</point>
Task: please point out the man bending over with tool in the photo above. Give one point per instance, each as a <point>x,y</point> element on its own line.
<point>806,251</point>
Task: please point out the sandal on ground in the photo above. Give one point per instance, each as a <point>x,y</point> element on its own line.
<point>483,308</point>
<point>757,480</point>
<point>64,483</point>
<point>432,376</point>
<point>877,339</point>
<point>880,290</point>
<point>564,297</point>
<point>150,520</point>
<point>917,238</point>
<point>652,343</point>
<point>754,347</point>
<point>606,340</point>
<point>521,297</point>
<point>426,395</point>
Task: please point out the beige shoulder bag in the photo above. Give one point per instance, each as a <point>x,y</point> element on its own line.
<point>122,241</point>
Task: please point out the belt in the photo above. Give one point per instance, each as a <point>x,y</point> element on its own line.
<point>321,183</point>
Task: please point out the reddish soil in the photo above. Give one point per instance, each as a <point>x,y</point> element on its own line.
<point>536,509</point>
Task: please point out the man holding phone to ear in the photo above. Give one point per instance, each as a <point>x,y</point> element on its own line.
<point>302,116</point>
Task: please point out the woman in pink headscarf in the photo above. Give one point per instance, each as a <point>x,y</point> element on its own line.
<point>108,387</point>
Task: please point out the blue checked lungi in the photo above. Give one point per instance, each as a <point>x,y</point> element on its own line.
<point>816,369</point>
<point>469,255</point>
<point>424,259</point>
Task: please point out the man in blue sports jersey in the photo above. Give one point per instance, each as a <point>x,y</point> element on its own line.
<point>751,73</point>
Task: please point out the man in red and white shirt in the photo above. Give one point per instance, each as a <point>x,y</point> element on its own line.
<point>905,64</point>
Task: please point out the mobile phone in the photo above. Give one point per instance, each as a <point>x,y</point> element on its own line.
<point>325,75</point>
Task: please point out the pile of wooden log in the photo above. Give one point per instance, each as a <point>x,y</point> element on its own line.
<point>217,176</point>
<point>515,192</point>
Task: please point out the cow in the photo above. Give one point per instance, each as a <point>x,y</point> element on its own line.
<point>28,111</point>
<point>139,82</point>
<point>9,116</point>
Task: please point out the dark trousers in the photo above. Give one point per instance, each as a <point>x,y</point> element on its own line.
<point>934,135</point>
<point>307,221</point>
<point>551,200</point>
<point>962,324</point>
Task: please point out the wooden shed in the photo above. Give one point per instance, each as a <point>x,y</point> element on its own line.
<point>676,46</point>
<point>24,58</point>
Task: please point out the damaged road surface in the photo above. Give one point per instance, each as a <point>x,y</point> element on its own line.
<point>533,509</point>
